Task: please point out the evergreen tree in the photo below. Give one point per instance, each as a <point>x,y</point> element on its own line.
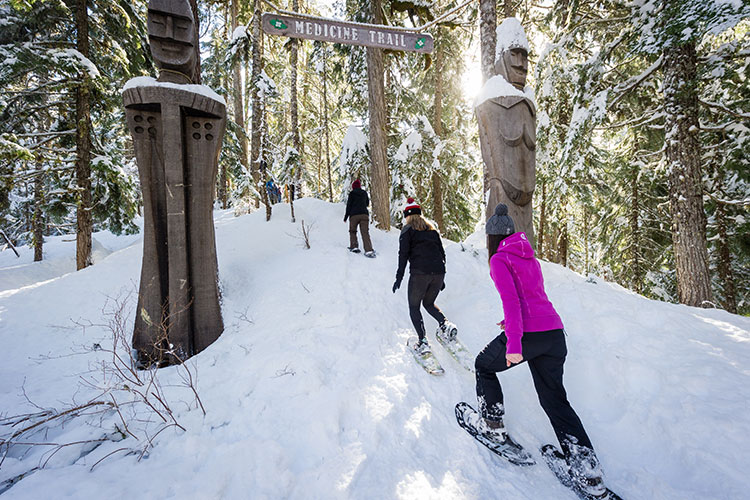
<point>40,80</point>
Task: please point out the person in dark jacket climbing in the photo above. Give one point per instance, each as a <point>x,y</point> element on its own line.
<point>358,215</point>
<point>420,245</point>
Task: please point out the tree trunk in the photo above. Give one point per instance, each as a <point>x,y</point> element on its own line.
<point>319,179</point>
<point>196,18</point>
<point>37,221</point>
<point>264,193</point>
<point>683,157</point>
<point>542,221</point>
<point>381,179</point>
<point>636,280</point>
<point>726,277</point>
<point>437,126</point>
<point>294,117</point>
<point>301,102</point>
<point>83,145</point>
<point>508,8</point>
<point>239,106</point>
<point>724,267</point>
<point>255,137</point>
<point>562,236</point>
<point>487,42</point>
<point>586,240</point>
<point>222,188</point>
<point>487,36</point>
<point>325,123</point>
<point>263,164</point>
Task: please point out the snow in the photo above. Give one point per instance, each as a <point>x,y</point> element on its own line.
<point>147,81</point>
<point>266,86</point>
<point>510,34</point>
<point>354,140</point>
<point>735,4</point>
<point>412,143</point>
<point>310,393</point>
<point>239,33</point>
<point>498,86</point>
<point>83,60</point>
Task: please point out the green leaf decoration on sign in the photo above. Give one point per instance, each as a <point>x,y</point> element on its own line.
<point>278,24</point>
<point>420,43</point>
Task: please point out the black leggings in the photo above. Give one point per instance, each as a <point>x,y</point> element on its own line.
<point>545,353</point>
<point>424,289</point>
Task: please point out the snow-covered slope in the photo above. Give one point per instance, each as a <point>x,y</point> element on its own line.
<point>310,393</point>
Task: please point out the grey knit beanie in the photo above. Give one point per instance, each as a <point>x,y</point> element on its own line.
<point>500,222</point>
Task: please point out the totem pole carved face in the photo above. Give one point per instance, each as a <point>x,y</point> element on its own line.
<point>513,64</point>
<point>171,33</point>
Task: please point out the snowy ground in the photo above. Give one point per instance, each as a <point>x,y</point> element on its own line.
<point>310,393</point>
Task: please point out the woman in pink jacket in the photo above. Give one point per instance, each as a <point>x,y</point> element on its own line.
<point>533,333</point>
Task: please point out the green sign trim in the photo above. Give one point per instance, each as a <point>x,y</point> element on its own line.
<point>278,24</point>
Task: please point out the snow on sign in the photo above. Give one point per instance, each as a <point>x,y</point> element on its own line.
<point>330,30</point>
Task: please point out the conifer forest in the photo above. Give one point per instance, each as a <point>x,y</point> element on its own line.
<point>642,125</point>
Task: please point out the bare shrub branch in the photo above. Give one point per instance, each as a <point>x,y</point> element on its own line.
<point>123,389</point>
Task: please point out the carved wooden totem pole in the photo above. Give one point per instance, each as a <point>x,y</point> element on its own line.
<point>507,132</point>
<point>177,130</point>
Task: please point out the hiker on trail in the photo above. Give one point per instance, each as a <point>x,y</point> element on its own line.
<point>272,192</point>
<point>420,245</point>
<point>533,332</point>
<point>277,192</point>
<point>356,212</point>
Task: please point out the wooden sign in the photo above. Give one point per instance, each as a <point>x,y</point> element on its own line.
<point>331,30</point>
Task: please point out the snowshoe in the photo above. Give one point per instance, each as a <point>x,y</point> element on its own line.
<point>447,337</point>
<point>423,355</point>
<point>587,488</point>
<point>500,443</point>
<point>353,249</point>
<point>371,254</point>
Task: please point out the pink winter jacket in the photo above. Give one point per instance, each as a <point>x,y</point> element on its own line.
<point>518,277</point>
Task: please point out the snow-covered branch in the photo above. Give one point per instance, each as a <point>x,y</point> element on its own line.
<point>722,107</point>
<point>623,89</point>
<point>739,203</point>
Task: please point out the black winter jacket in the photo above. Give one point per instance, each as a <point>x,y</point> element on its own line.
<point>357,203</point>
<point>423,250</point>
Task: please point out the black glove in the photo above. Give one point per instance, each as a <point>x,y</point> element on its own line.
<point>442,287</point>
<point>396,285</point>
<point>345,219</point>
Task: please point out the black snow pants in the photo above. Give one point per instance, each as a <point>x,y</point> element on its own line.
<point>545,353</point>
<point>424,289</point>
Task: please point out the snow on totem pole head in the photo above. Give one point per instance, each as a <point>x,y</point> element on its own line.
<point>173,40</point>
<point>512,52</point>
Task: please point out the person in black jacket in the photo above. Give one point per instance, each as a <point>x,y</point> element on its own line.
<point>356,212</point>
<point>420,244</point>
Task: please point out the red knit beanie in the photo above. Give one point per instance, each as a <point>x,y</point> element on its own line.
<point>356,184</point>
<point>412,208</point>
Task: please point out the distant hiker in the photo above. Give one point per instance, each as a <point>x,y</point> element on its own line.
<point>277,192</point>
<point>356,212</point>
<point>420,245</point>
<point>533,333</point>
<point>272,191</point>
